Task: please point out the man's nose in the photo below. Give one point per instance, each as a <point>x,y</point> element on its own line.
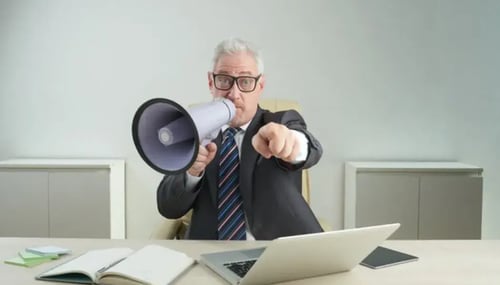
<point>234,92</point>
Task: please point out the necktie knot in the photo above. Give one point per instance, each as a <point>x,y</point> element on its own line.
<point>230,132</point>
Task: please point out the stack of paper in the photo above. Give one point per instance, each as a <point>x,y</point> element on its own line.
<point>29,259</point>
<point>36,255</point>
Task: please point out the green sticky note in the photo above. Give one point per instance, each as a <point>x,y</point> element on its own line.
<point>26,263</point>
<point>33,256</point>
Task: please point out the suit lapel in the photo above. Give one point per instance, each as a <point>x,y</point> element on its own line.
<point>247,163</point>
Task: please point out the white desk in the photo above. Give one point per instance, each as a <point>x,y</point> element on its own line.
<point>442,262</point>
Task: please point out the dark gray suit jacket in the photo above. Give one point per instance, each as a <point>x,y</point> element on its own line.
<point>270,188</point>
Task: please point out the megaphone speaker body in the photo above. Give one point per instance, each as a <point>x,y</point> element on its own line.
<point>167,136</point>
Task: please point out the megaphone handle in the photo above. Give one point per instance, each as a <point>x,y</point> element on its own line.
<point>209,138</point>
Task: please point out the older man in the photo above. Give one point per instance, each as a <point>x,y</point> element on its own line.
<point>246,183</point>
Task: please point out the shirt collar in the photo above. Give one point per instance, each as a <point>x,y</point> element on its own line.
<point>243,127</point>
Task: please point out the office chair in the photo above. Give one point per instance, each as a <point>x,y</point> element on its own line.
<point>170,229</point>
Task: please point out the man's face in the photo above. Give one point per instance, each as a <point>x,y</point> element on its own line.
<point>237,65</point>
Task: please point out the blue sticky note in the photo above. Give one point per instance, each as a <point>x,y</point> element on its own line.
<point>48,250</point>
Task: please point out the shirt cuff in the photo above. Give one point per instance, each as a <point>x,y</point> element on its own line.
<point>304,147</point>
<point>192,181</point>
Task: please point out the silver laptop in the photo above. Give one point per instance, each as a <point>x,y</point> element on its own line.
<point>300,256</point>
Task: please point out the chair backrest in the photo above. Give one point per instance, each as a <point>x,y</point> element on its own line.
<point>275,105</point>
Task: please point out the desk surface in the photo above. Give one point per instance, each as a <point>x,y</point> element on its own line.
<point>440,262</point>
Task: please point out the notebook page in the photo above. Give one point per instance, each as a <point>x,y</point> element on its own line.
<point>90,262</point>
<point>153,264</point>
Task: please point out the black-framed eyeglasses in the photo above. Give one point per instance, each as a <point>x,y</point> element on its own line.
<point>245,83</point>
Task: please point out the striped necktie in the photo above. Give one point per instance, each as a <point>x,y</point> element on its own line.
<point>231,218</point>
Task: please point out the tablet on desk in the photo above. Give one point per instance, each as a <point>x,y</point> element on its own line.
<point>383,257</point>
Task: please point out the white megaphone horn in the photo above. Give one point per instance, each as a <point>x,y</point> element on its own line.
<point>167,136</point>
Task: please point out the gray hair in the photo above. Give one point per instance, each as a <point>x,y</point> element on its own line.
<point>235,45</point>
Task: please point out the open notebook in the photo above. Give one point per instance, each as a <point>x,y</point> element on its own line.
<point>153,264</point>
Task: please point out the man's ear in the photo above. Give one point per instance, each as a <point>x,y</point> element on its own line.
<point>262,82</point>
<point>210,80</point>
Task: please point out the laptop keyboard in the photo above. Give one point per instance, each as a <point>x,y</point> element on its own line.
<point>241,267</point>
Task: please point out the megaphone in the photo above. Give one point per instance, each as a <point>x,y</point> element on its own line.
<point>167,136</point>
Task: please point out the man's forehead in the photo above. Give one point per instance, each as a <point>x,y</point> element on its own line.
<point>230,71</point>
<point>241,63</point>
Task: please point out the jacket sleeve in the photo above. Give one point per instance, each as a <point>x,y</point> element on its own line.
<point>173,199</point>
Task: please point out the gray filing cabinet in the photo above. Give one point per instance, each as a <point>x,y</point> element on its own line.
<point>431,200</point>
<point>80,198</point>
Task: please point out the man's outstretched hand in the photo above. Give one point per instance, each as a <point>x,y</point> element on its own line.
<point>277,140</point>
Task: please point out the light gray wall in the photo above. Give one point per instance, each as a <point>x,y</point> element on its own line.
<point>378,80</point>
